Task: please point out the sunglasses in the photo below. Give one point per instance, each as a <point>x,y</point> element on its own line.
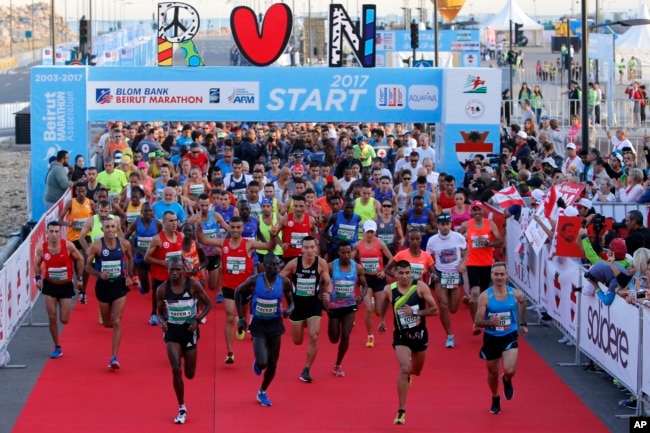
<point>406,178</point>
<point>386,205</point>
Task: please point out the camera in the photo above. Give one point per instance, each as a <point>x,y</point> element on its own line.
<point>495,159</point>
<point>640,295</point>
<point>618,225</point>
<point>598,220</point>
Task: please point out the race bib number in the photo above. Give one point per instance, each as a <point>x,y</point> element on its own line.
<point>386,238</point>
<point>113,268</point>
<point>370,264</point>
<point>345,232</point>
<point>131,217</point>
<point>306,287</point>
<point>266,308</point>
<point>296,239</point>
<point>449,281</point>
<point>210,233</point>
<point>58,274</point>
<point>78,224</point>
<point>236,265</point>
<point>239,193</point>
<point>406,321</point>
<point>417,269</point>
<point>505,320</point>
<point>480,241</point>
<point>173,255</point>
<point>343,289</point>
<point>143,243</point>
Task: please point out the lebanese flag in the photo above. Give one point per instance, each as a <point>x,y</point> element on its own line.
<point>507,197</point>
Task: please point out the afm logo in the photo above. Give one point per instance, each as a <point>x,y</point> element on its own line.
<point>103,96</point>
<point>241,96</point>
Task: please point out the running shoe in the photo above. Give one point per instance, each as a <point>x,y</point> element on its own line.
<point>113,363</point>
<point>220,298</point>
<point>230,358</point>
<point>508,390</point>
<point>496,405</point>
<point>564,340</point>
<point>82,298</point>
<point>241,334</point>
<point>57,353</point>
<point>338,371</point>
<point>476,330</point>
<point>450,344</point>
<point>153,321</point>
<point>256,369</point>
<point>371,341</point>
<point>305,377</point>
<point>263,398</point>
<point>204,321</point>
<point>181,417</point>
<point>400,419</point>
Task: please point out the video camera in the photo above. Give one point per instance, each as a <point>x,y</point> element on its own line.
<point>495,159</point>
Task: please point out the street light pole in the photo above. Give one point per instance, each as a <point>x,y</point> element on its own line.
<point>435,33</point>
<point>52,35</point>
<point>585,72</point>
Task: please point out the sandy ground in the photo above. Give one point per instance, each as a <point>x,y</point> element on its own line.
<point>14,166</point>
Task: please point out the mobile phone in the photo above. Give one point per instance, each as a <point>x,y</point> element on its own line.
<point>640,295</point>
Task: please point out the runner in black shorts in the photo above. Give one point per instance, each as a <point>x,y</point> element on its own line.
<point>110,261</point>
<point>267,290</point>
<point>310,277</point>
<point>343,301</point>
<point>181,329</point>
<point>502,313</point>
<point>371,252</point>
<point>411,304</point>
<point>56,257</point>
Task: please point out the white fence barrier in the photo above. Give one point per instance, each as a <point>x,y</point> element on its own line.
<point>7,114</point>
<point>645,385</point>
<point>18,292</point>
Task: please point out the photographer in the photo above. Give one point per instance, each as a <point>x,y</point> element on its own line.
<point>638,236</point>
<point>604,272</point>
<point>484,188</point>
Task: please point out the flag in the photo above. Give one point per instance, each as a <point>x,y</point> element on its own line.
<point>550,201</point>
<point>507,197</point>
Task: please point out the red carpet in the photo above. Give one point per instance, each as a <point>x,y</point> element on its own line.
<point>78,393</point>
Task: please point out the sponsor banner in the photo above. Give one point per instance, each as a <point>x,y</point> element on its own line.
<point>610,336</point>
<point>472,95</point>
<point>523,266</point>
<point>448,40</point>
<point>569,192</point>
<point>645,386</point>
<point>457,143</point>
<point>560,299</point>
<point>337,94</point>
<point>4,305</point>
<point>58,101</point>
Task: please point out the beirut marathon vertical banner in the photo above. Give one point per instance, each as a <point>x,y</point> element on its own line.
<point>59,122</point>
<point>472,107</point>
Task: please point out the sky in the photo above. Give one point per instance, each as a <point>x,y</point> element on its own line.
<point>206,8</point>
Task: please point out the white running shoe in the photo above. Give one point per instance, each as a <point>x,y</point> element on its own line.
<point>450,344</point>
<point>563,340</point>
<point>181,417</point>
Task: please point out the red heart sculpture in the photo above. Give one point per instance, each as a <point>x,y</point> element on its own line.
<point>265,47</point>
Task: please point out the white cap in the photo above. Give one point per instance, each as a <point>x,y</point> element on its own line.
<point>538,195</point>
<point>571,146</point>
<point>571,211</point>
<point>522,134</point>
<point>369,225</point>
<point>550,161</point>
<point>585,202</point>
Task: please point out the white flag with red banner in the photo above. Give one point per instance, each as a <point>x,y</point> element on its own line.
<point>507,197</point>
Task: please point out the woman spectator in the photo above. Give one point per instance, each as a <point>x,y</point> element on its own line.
<point>78,171</point>
<point>575,130</point>
<point>524,93</point>
<point>631,192</point>
<point>636,96</point>
<point>537,102</point>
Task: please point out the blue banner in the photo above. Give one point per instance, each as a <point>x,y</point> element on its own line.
<point>265,94</point>
<point>58,112</point>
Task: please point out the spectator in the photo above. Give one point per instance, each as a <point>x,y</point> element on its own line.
<point>56,179</point>
<point>632,192</point>
<point>638,236</point>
